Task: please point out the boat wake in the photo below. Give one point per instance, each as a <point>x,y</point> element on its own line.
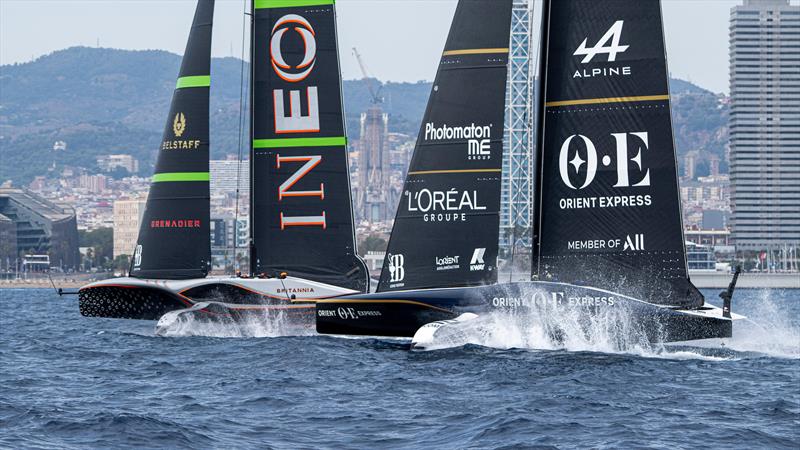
<point>616,332</point>
<point>213,319</point>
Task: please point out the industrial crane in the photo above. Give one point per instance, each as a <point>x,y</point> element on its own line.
<point>377,99</point>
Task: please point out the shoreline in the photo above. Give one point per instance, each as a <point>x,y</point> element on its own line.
<point>703,280</point>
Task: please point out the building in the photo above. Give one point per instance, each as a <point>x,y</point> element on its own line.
<point>227,240</point>
<point>690,166</point>
<point>226,175</point>
<point>8,241</point>
<point>109,163</point>
<point>765,126</point>
<point>517,187</point>
<point>41,228</point>
<point>127,217</point>
<point>375,199</point>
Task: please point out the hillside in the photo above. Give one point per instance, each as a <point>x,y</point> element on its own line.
<point>103,101</point>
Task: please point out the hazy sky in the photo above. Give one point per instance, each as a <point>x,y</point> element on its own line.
<point>401,40</point>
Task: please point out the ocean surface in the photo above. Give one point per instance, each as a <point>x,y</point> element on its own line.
<point>72,382</point>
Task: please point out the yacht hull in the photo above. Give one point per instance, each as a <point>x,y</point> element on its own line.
<point>143,299</point>
<point>402,313</point>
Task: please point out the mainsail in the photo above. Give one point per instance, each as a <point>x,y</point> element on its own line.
<point>301,207</point>
<point>174,238</point>
<point>447,224</point>
<point>609,207</point>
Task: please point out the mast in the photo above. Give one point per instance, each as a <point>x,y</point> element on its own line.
<point>251,241</point>
<point>174,238</point>
<point>539,129</point>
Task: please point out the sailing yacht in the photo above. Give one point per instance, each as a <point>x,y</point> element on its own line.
<point>608,234</point>
<point>302,233</point>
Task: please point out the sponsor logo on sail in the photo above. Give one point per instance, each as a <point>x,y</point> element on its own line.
<point>447,263</point>
<point>294,121</point>
<point>137,257</point>
<point>179,124</point>
<point>578,166</point>
<point>175,223</point>
<point>628,243</point>
<point>443,206</point>
<point>397,272</point>
<point>476,263</point>
<point>609,44</point>
<point>635,243</point>
<point>178,129</point>
<point>478,138</point>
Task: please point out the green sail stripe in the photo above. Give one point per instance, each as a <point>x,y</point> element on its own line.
<point>193,81</point>
<point>180,176</point>
<point>264,4</point>
<point>300,142</point>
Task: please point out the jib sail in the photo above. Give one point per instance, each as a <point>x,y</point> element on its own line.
<point>447,224</point>
<point>609,208</point>
<point>174,238</point>
<point>301,206</point>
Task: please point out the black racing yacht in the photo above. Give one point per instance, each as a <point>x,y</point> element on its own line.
<point>302,233</point>
<point>608,233</point>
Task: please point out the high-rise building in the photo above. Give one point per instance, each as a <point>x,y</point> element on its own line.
<point>374,199</point>
<point>765,125</point>
<point>517,187</point>
<point>127,217</point>
<point>224,175</point>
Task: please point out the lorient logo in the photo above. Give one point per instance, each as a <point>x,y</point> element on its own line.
<point>397,272</point>
<point>447,263</point>
<point>609,45</point>
<point>478,138</point>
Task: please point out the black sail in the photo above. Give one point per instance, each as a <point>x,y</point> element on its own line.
<point>301,207</point>
<point>609,205</point>
<point>174,237</point>
<point>447,224</point>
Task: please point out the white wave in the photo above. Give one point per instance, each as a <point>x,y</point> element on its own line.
<point>612,331</point>
<point>192,322</point>
<point>769,329</point>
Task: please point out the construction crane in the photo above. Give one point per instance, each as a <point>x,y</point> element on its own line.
<point>377,99</point>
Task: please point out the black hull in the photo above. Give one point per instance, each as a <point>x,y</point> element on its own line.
<point>401,314</point>
<point>129,302</point>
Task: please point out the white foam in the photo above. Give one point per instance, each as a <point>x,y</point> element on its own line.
<point>617,332</point>
<point>188,322</point>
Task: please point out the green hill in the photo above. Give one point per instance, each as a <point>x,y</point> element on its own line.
<point>102,101</point>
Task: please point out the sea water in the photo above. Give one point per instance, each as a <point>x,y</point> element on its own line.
<point>72,382</point>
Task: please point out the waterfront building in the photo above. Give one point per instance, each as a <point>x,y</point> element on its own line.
<point>517,187</point>
<point>765,126</point>
<point>127,217</point>
<point>41,228</point>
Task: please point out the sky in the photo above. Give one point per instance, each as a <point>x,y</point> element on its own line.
<point>400,40</point>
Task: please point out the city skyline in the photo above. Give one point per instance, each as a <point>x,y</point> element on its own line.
<point>696,33</point>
